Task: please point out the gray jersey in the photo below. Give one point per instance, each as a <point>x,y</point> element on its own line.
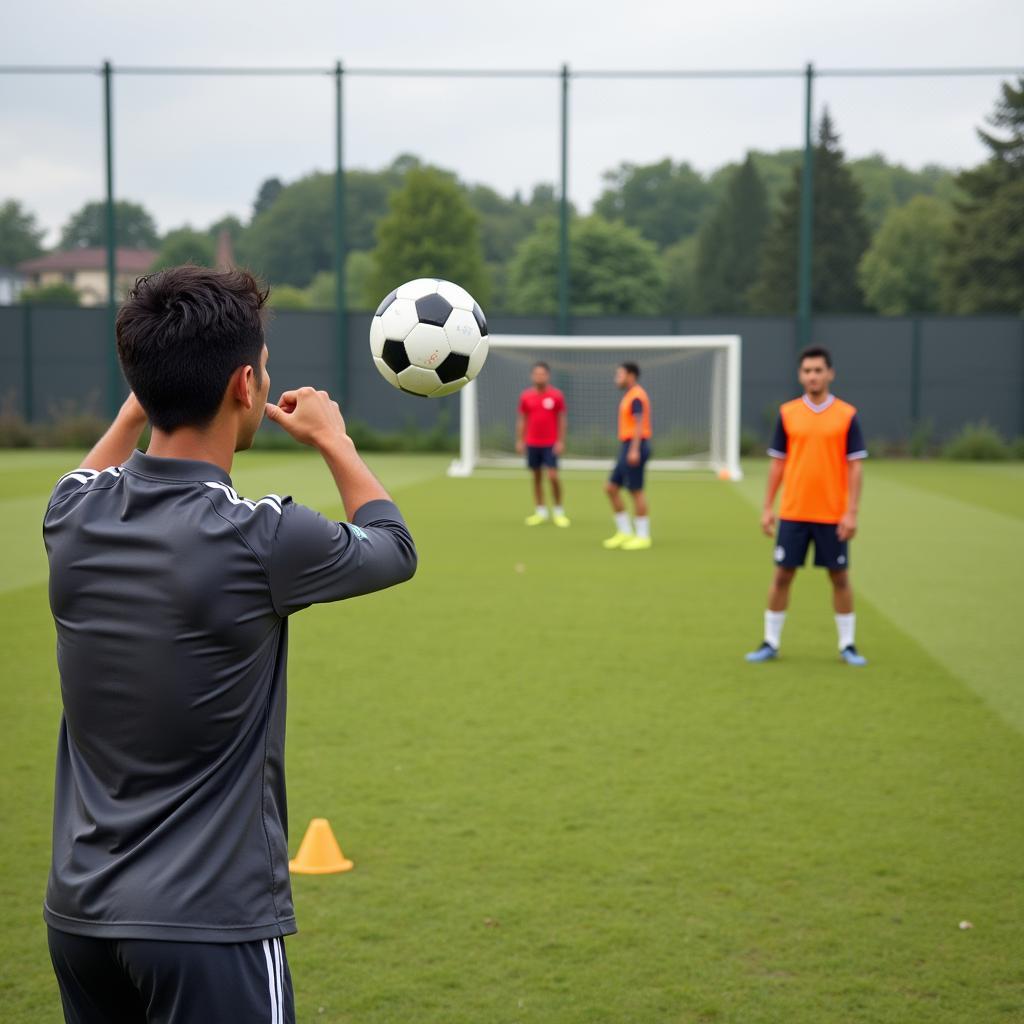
<point>171,596</point>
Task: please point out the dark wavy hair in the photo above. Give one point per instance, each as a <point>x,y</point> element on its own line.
<point>182,333</point>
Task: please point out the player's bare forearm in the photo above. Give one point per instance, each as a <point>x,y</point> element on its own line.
<point>120,439</point>
<point>313,418</point>
<point>355,481</point>
<point>520,431</point>
<point>775,471</point>
<point>563,426</point>
<point>848,524</point>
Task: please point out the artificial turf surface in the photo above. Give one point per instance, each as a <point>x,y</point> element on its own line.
<point>567,796</point>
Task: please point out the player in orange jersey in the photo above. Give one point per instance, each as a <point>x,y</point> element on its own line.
<point>635,450</point>
<point>817,455</point>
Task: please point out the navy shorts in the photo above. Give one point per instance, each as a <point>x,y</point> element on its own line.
<point>541,455</point>
<point>794,538</point>
<point>132,981</point>
<point>625,475</point>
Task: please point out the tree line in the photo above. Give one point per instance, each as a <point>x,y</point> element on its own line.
<point>660,239</point>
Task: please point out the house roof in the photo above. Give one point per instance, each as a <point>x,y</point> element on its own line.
<point>129,261</point>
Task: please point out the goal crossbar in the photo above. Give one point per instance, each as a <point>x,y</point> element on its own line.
<point>720,363</point>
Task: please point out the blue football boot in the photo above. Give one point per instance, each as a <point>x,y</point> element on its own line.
<point>764,653</point>
<point>850,655</point>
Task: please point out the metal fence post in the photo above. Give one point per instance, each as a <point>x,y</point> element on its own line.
<point>113,370</point>
<point>915,372</point>
<point>26,361</point>
<point>805,280</point>
<point>340,299</point>
<point>563,213</point>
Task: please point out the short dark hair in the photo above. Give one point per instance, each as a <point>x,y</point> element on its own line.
<point>631,368</point>
<point>816,352</point>
<point>540,363</point>
<point>182,333</point>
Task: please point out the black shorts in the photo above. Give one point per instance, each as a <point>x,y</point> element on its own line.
<point>133,981</point>
<point>625,475</point>
<point>541,455</point>
<point>794,537</point>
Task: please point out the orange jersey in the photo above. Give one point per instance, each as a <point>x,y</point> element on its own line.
<point>629,410</point>
<point>817,443</point>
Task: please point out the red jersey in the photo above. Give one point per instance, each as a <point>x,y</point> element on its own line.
<point>541,409</point>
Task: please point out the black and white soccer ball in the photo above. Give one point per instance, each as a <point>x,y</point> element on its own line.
<point>429,338</point>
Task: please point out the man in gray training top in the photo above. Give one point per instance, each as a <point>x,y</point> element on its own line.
<point>169,891</point>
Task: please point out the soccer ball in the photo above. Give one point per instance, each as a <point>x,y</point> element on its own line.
<point>429,338</point>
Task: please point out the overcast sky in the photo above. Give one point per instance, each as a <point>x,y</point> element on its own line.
<point>193,149</point>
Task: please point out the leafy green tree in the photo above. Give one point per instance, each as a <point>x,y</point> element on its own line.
<point>612,269</point>
<point>429,231</point>
<point>293,239</point>
<point>287,296</point>
<point>680,271</point>
<point>184,245</point>
<point>900,271</point>
<point>268,192</point>
<point>663,201</point>
<point>983,270</point>
<point>57,294</point>
<point>774,169</point>
<point>134,227</point>
<point>840,236</point>
<point>230,223</point>
<point>886,186</point>
<point>729,244</point>
<point>21,238</point>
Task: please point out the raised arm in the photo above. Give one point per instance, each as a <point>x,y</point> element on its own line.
<point>313,418</point>
<point>120,439</point>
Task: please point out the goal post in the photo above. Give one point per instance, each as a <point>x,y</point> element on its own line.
<point>693,381</point>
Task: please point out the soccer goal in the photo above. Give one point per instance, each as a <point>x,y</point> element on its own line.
<point>693,383</point>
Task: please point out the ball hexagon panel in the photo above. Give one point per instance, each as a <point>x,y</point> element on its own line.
<point>418,288</point>
<point>386,372</point>
<point>477,359</point>
<point>388,299</point>
<point>454,367</point>
<point>418,381</point>
<point>377,337</point>
<point>481,320</point>
<point>456,295</point>
<point>394,355</point>
<point>427,346</point>
<point>463,333</point>
<point>399,319</point>
<point>433,309</point>
<point>450,388</point>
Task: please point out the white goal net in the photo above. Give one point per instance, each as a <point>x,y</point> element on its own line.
<point>693,383</point>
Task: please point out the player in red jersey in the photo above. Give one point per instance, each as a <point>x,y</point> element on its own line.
<point>540,433</point>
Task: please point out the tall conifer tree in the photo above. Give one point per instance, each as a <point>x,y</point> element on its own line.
<point>840,238</point>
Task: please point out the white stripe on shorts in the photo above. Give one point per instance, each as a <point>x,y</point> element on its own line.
<point>278,958</point>
<point>271,974</point>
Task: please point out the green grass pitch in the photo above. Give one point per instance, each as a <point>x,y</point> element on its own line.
<point>570,800</point>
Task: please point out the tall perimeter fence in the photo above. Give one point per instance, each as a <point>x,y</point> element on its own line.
<point>902,372</point>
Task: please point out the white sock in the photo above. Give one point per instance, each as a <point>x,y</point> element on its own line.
<point>622,523</point>
<point>542,510</point>
<point>846,626</point>
<point>643,526</point>
<point>559,511</point>
<point>773,623</point>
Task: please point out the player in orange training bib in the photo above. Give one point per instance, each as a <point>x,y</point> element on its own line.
<point>540,433</point>
<point>634,451</point>
<point>817,454</point>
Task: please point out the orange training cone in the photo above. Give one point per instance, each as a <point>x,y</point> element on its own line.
<point>319,852</point>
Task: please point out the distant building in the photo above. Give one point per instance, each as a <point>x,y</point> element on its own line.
<point>11,283</point>
<point>86,271</point>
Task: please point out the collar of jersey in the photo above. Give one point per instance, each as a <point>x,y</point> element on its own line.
<point>819,408</point>
<point>159,468</point>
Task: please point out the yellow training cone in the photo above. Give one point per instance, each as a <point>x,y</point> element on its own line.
<point>319,852</point>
